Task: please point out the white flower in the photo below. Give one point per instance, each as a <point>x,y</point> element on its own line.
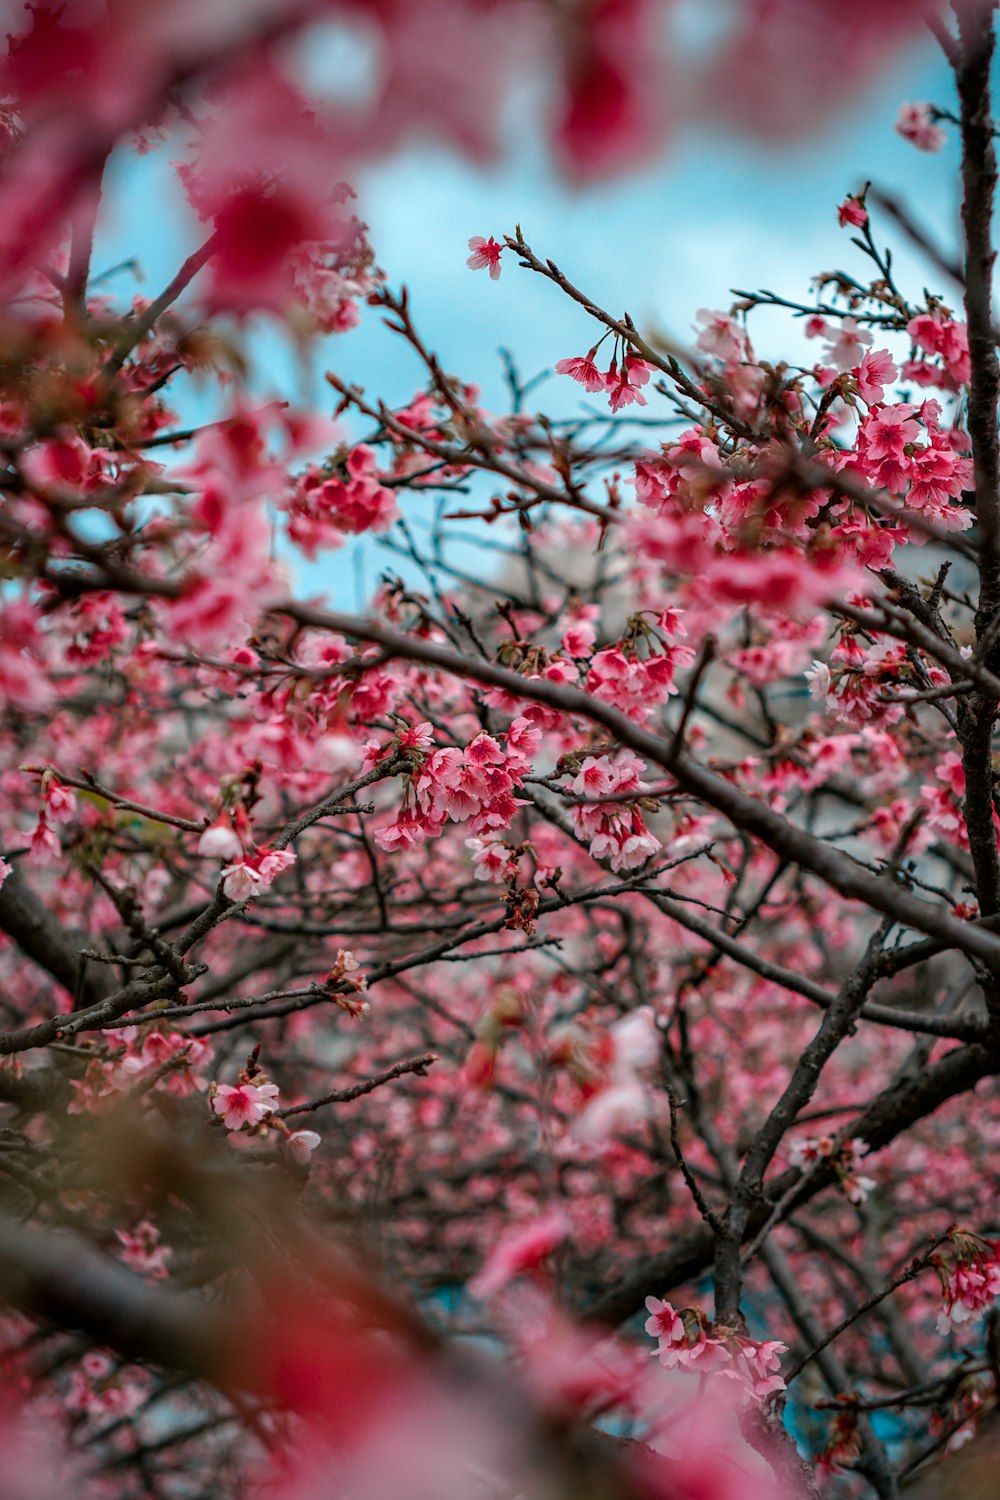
<point>301,1144</point>
<point>818,678</point>
<point>219,841</point>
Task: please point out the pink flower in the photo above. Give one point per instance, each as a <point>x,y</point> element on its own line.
<point>141,1249</point>
<point>5,870</point>
<point>686,1343</point>
<point>405,831</point>
<point>59,801</point>
<point>244,1103</point>
<point>583,369</point>
<point>522,1249</point>
<point>492,857</point>
<point>664,1323</point>
<point>852,211</point>
<point>914,124</point>
<point>593,779</point>
<point>886,433</point>
<point>483,751</point>
<point>246,877</point>
<point>240,881</point>
<point>970,1284</point>
<point>485,253</point>
<point>45,845</point>
<point>846,344</point>
<point>875,371</point>
<point>721,336</point>
<point>637,371</point>
<point>523,740</point>
<point>417,737</point>
<point>623,385</point>
<point>273,862</point>
<point>945,337</point>
<point>578,640</point>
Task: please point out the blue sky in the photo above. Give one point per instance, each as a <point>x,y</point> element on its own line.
<point>717,213</point>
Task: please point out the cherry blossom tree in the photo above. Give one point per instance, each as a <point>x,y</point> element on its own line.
<point>538,1036</point>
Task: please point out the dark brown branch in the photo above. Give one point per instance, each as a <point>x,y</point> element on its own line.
<point>977,715</point>
<point>753,817</point>
<point>43,938</point>
<point>63,1280</point>
<point>918,1264</point>
<point>801,1087</point>
<point>418,1065</point>
<point>894,1111</point>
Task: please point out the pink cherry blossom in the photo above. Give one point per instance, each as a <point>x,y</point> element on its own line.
<point>523,1249</point>
<point>875,372</point>
<point>244,1103</point>
<point>852,211</point>
<point>485,253</point>
<point>583,369</point>
<point>241,880</point>
<point>45,845</point>
<point>915,125</point>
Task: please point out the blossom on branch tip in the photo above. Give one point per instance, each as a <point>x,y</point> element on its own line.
<point>485,253</point>
<point>623,385</point>
<point>583,369</point>
<point>852,211</point>
<point>843,1155</point>
<point>915,125</point>
<point>58,800</point>
<point>240,881</point>
<point>969,1272</point>
<point>45,845</point>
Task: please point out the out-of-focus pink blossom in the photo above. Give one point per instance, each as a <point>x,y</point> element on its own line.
<point>523,1249</point>
<point>852,211</point>
<point>914,124</point>
<point>301,1144</point>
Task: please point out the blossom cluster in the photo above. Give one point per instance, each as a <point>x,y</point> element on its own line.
<point>969,1272</point>
<point>684,1341</point>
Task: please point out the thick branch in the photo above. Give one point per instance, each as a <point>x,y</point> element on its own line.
<point>801,1087</point>
<point>42,937</point>
<point>63,1280</point>
<point>979,182</point>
